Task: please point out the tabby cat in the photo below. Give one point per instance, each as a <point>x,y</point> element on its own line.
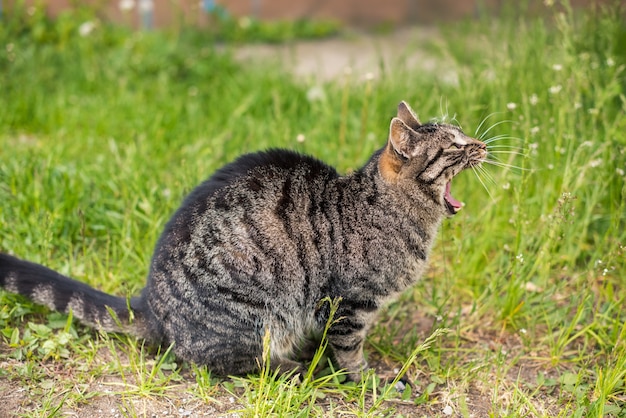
<point>258,245</point>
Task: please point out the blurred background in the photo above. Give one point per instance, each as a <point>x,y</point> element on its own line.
<point>363,13</point>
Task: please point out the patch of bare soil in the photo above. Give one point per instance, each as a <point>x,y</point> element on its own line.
<point>362,55</point>
<point>108,395</point>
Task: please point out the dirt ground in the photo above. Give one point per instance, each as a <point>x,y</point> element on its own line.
<point>359,54</point>
<point>102,391</point>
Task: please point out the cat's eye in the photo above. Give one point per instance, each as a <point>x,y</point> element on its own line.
<point>457,146</point>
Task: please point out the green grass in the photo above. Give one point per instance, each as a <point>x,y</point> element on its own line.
<point>101,136</point>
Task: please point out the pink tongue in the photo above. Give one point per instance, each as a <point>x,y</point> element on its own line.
<point>452,201</point>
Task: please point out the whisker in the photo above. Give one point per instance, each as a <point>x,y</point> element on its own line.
<point>505,165</point>
<point>508,152</point>
<point>487,175</point>
<point>496,150</point>
<point>480,125</point>
<point>505,146</point>
<point>493,126</point>
<point>456,121</point>
<point>494,139</point>
<point>483,183</point>
<point>444,115</point>
<point>494,158</point>
<point>500,138</point>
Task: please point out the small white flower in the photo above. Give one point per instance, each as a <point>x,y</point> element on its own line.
<point>520,258</point>
<point>369,76</point>
<point>126,5</point>
<point>534,130</point>
<point>550,166</point>
<point>522,331</point>
<point>447,410</point>
<point>316,94</point>
<point>511,106</point>
<point>489,75</point>
<point>86,28</point>
<point>610,62</point>
<point>619,171</point>
<point>595,163</point>
<point>533,99</point>
<point>531,287</point>
<point>577,105</point>
<point>450,78</point>
<point>555,89</point>
<point>506,186</point>
<point>557,67</point>
<point>593,111</point>
<point>300,138</point>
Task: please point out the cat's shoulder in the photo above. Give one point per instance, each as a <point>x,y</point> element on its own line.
<point>279,160</point>
<point>261,164</point>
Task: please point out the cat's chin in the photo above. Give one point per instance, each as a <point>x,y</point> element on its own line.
<point>451,203</point>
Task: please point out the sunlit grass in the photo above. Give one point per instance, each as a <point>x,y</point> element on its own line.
<point>101,136</point>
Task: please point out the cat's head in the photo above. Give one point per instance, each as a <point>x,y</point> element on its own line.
<point>427,156</point>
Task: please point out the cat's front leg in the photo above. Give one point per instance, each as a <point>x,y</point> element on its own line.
<point>284,366</point>
<point>346,338</point>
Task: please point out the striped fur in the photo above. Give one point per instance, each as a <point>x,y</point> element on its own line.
<point>260,243</point>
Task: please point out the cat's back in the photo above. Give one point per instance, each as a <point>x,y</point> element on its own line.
<point>263,197</point>
<point>254,175</point>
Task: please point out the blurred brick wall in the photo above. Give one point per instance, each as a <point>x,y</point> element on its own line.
<point>349,12</point>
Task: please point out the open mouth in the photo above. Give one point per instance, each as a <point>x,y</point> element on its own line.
<point>452,204</point>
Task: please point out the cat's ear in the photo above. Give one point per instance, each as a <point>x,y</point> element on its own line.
<point>402,138</point>
<point>408,116</point>
<point>400,149</point>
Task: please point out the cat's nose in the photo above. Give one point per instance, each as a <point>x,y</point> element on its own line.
<point>480,144</point>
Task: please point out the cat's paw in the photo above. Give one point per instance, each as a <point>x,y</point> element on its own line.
<point>387,378</point>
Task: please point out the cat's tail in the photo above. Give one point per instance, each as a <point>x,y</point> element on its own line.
<point>60,293</point>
